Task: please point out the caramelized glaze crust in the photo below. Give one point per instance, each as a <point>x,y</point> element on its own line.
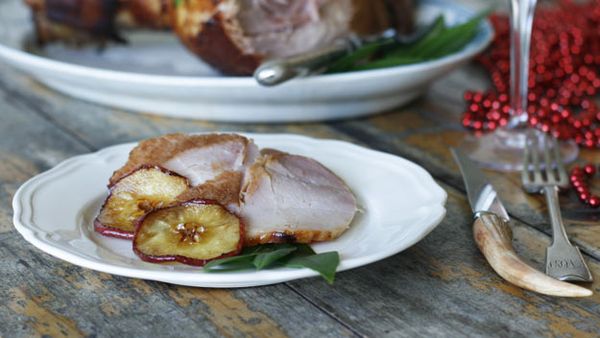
<point>296,236</point>
<point>158,150</point>
<point>224,189</point>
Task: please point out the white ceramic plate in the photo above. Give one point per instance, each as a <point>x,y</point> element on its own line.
<point>402,203</point>
<point>155,74</point>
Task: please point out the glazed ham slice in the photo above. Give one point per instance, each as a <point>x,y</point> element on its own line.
<point>291,198</point>
<point>279,196</point>
<point>164,171</point>
<point>199,158</point>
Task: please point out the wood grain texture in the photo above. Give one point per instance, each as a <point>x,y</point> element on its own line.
<point>45,296</point>
<point>48,296</point>
<point>98,126</point>
<point>443,285</point>
<point>29,144</point>
<point>424,131</point>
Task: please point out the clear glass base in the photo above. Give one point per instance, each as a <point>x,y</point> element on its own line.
<point>503,149</point>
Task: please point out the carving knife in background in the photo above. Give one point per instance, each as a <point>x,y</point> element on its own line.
<point>494,237</point>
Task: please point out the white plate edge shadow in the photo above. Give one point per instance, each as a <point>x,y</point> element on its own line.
<point>23,210</point>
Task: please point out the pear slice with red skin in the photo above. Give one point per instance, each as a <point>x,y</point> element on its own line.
<point>143,190</point>
<point>193,232</point>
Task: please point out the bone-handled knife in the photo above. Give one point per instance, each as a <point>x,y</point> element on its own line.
<point>493,236</point>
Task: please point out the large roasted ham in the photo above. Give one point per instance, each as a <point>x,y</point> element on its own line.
<point>279,197</point>
<point>234,36</point>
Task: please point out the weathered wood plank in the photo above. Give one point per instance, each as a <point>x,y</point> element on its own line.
<point>443,287</point>
<point>29,145</point>
<point>424,131</point>
<point>44,296</point>
<point>444,274</point>
<point>403,314</point>
<point>99,126</point>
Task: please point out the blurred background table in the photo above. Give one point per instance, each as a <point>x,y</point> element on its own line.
<point>442,286</point>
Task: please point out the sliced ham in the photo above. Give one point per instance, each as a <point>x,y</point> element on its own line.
<point>291,198</point>
<point>199,158</point>
<point>280,197</point>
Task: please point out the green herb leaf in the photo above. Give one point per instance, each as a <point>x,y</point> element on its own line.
<point>438,42</point>
<point>303,250</point>
<point>346,63</point>
<point>267,259</point>
<point>450,39</point>
<point>245,260</point>
<point>272,255</point>
<point>241,262</point>
<point>439,26</point>
<point>324,263</point>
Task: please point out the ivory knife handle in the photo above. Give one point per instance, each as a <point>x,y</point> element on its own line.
<point>494,239</point>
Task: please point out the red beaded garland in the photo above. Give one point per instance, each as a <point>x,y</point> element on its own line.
<point>564,75</point>
<point>579,178</point>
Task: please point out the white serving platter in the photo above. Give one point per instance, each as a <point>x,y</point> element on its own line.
<point>155,74</point>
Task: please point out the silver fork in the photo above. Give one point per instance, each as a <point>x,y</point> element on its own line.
<point>546,176</point>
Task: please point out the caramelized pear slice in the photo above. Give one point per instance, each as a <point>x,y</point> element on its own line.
<point>193,232</point>
<point>136,194</point>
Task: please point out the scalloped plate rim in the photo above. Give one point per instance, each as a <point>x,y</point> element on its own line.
<point>23,212</point>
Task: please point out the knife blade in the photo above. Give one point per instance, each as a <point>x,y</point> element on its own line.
<point>482,195</point>
<point>493,236</point>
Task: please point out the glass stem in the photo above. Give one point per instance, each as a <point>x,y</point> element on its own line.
<point>521,20</point>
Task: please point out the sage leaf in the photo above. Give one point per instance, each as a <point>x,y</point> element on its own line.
<point>241,262</point>
<point>267,259</point>
<point>279,255</point>
<point>325,264</point>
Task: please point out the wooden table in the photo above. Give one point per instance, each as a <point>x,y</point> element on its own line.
<point>442,286</point>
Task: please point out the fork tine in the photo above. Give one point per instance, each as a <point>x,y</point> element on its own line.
<point>563,179</point>
<point>549,159</point>
<point>525,173</point>
<point>535,156</point>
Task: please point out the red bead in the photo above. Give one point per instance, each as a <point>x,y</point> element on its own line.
<point>589,143</point>
<point>577,183</point>
<point>583,196</point>
<point>564,74</point>
<point>593,201</point>
<point>589,169</point>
